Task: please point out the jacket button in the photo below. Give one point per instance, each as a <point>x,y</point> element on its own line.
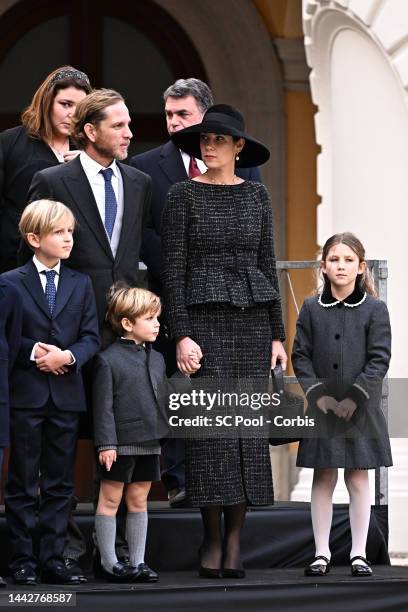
<point>335,366</point>
<point>53,332</point>
<point>337,336</point>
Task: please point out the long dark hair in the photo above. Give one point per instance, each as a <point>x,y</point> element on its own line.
<point>365,280</point>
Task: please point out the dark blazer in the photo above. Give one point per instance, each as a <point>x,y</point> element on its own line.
<point>72,326</point>
<point>11,310</point>
<point>165,166</point>
<point>20,158</point>
<point>91,253</point>
<point>129,383</point>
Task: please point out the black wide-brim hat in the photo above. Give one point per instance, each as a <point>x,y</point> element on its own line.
<point>222,119</point>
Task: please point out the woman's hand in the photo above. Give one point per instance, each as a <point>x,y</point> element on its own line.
<point>326,403</point>
<point>106,458</point>
<point>278,353</point>
<point>188,355</point>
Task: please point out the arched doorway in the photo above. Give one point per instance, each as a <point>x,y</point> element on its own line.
<point>134,47</point>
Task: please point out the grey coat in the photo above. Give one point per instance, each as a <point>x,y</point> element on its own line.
<point>128,385</point>
<point>343,349</point>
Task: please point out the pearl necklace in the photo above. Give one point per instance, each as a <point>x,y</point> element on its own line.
<point>215,182</point>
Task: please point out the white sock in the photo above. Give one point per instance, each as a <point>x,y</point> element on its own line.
<point>136,531</point>
<point>324,482</point>
<point>359,511</point>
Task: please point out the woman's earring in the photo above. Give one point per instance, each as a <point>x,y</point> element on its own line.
<point>237,157</point>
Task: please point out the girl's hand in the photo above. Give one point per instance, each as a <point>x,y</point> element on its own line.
<point>326,403</point>
<point>188,355</point>
<point>348,408</point>
<point>278,353</point>
<point>106,458</point>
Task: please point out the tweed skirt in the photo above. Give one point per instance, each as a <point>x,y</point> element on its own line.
<point>236,343</point>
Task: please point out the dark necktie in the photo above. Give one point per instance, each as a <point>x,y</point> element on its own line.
<point>50,289</point>
<point>111,205</point>
<point>193,169</point>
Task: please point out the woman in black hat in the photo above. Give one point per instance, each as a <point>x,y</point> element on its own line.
<point>223,308</point>
<point>40,142</point>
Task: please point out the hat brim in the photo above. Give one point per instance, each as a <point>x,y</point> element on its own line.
<point>253,154</point>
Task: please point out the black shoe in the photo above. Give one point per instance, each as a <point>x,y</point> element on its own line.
<point>207,572</point>
<point>74,569</point>
<point>233,573</point>
<point>318,569</point>
<point>177,498</point>
<point>25,575</point>
<point>145,574</point>
<point>3,583</point>
<point>361,570</point>
<point>58,575</point>
<point>120,573</point>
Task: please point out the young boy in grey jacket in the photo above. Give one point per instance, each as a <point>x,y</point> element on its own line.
<point>129,421</point>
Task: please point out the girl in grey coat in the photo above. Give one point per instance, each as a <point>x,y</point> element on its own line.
<point>340,355</point>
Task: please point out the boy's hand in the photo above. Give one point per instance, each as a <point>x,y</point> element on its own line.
<point>326,403</point>
<point>106,458</point>
<point>54,361</point>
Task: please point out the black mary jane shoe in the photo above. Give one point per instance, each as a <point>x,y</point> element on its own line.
<point>145,574</point>
<point>120,573</point>
<point>318,569</point>
<point>208,572</point>
<point>361,570</point>
<point>229,572</point>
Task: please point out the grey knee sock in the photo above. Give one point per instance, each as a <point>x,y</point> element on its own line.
<point>136,530</point>
<point>105,527</point>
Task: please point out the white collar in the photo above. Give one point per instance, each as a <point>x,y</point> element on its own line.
<point>93,168</point>
<point>43,268</point>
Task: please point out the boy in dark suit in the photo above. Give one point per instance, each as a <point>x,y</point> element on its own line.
<point>60,334</point>
<point>10,338</point>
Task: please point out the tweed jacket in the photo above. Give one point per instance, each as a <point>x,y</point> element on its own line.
<point>128,392</point>
<point>218,247</point>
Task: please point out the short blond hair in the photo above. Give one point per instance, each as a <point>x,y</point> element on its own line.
<point>126,302</point>
<point>41,217</point>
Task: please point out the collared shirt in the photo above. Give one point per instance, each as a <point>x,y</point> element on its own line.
<point>40,269</point>
<point>43,268</point>
<point>92,170</point>
<point>186,161</point>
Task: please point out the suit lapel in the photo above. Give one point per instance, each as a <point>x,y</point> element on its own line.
<point>132,207</point>
<point>82,195</point>
<point>66,285</point>
<point>32,283</point>
<point>172,163</point>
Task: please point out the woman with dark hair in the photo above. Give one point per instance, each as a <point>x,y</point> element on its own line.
<point>223,308</point>
<point>40,142</point>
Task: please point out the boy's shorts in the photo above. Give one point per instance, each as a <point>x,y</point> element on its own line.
<point>132,468</point>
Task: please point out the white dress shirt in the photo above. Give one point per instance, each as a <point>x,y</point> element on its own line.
<point>40,269</point>
<point>93,173</point>
<point>186,161</point>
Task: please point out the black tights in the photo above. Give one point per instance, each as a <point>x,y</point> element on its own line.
<point>216,550</point>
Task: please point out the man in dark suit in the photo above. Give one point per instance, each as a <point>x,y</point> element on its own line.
<point>185,103</point>
<point>110,202</point>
